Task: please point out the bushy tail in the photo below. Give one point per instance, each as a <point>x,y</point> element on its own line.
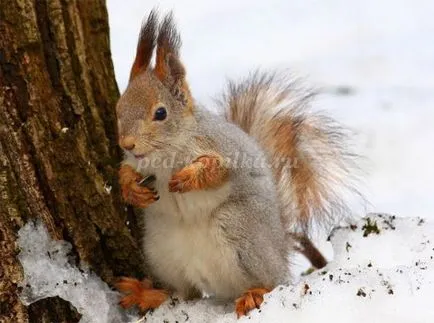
<point>314,170</point>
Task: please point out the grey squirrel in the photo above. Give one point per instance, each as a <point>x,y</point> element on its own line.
<point>225,214</point>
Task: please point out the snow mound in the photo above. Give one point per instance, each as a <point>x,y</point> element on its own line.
<point>383,271</point>
<point>48,273</point>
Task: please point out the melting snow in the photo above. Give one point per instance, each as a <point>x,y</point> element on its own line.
<point>383,271</point>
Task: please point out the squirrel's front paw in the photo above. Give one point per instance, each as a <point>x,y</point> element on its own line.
<point>206,172</point>
<point>132,192</point>
<point>187,179</point>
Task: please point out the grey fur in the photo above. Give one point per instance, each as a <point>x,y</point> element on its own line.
<point>225,240</point>
<point>247,218</point>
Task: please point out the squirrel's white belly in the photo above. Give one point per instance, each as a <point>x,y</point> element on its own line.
<point>186,247</point>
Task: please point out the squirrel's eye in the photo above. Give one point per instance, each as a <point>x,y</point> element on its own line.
<point>160,114</point>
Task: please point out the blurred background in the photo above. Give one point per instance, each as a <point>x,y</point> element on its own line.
<point>372,62</point>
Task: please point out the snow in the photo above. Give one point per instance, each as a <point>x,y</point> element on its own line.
<point>48,272</point>
<point>384,276</point>
<point>108,188</point>
<point>382,51</point>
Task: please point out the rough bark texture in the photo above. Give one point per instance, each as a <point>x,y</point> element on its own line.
<point>58,152</point>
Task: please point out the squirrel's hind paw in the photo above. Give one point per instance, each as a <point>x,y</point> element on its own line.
<point>250,300</point>
<point>140,293</point>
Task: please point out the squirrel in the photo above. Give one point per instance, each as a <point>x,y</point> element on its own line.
<point>232,191</point>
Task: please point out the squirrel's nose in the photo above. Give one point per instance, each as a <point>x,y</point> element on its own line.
<point>128,142</point>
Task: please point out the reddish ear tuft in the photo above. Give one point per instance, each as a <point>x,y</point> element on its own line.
<point>145,45</point>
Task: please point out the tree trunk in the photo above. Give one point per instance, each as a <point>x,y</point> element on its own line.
<point>58,151</point>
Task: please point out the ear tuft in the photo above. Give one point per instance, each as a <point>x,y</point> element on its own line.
<point>168,44</point>
<point>146,44</point>
<point>168,36</point>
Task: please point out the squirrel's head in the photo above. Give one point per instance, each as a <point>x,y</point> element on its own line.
<point>157,106</point>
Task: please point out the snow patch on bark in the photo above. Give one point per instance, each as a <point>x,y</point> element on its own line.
<point>48,272</point>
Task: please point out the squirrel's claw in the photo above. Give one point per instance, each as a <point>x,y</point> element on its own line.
<point>250,300</point>
<point>142,200</point>
<point>139,196</point>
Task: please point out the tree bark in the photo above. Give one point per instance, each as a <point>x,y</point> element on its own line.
<point>58,151</point>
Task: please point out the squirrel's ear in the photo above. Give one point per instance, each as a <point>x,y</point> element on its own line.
<point>168,67</point>
<point>145,45</point>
